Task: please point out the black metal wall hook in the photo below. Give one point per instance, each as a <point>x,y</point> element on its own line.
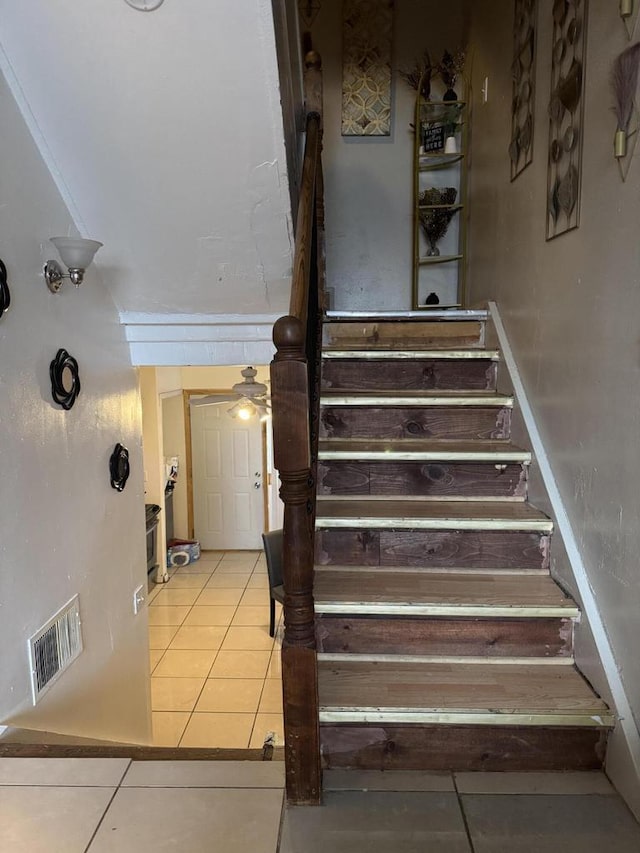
<point>65,379</point>
<point>5,295</point>
<point>119,467</point>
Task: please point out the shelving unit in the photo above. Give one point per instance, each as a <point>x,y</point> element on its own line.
<point>437,169</point>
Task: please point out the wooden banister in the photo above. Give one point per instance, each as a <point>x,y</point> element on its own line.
<point>295,377</point>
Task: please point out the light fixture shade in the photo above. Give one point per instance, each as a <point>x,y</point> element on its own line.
<point>75,252</point>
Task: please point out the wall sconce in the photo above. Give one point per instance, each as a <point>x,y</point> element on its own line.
<point>76,254</point>
<point>626,8</point>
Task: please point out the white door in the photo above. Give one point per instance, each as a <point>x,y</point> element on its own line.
<point>228,505</point>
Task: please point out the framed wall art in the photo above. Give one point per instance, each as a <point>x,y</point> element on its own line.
<point>566,116</point>
<point>524,83</point>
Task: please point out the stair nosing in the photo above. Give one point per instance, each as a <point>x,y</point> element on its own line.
<point>426,316</point>
<point>443,716</point>
<point>432,570</point>
<point>472,660</point>
<point>458,399</point>
<point>406,353</point>
<point>400,523</point>
<point>516,456</point>
<point>389,608</point>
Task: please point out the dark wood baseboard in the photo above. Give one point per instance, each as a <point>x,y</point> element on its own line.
<point>137,753</point>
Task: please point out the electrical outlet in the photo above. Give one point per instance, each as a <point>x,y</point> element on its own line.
<point>139,598</point>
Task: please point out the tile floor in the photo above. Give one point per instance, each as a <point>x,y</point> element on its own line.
<point>121,806</point>
<point>215,671</point>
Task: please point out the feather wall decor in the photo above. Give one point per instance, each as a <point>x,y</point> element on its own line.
<point>624,80</point>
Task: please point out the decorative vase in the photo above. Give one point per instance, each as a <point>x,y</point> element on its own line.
<point>450,95</point>
<point>432,299</point>
<point>433,251</point>
<point>450,145</point>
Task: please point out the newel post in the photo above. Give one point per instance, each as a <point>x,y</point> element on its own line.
<point>292,456</point>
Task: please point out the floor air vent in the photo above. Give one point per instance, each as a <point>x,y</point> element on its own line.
<point>54,647</point>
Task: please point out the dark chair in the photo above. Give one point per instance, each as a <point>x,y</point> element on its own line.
<point>273,551</point>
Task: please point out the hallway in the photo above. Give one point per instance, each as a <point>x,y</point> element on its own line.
<point>119,806</point>
<point>215,671</point>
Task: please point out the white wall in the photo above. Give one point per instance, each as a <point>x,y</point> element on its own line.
<point>571,309</point>
<point>64,530</point>
<point>368,180</point>
<point>165,133</point>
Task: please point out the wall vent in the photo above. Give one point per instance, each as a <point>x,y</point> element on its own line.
<point>54,647</point>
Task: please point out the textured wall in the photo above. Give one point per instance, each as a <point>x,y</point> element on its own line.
<point>570,306</point>
<point>64,530</point>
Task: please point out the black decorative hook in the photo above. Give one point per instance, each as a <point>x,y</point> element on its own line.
<point>5,295</point>
<point>119,467</point>
<point>65,379</point>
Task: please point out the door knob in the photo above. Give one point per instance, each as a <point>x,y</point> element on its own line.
<point>256,485</point>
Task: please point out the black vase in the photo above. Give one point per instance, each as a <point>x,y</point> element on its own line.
<point>432,299</point>
<point>450,95</point>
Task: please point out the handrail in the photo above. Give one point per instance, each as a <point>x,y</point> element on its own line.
<point>295,405</point>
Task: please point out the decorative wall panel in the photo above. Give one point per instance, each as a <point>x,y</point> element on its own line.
<point>524,84</point>
<point>566,116</point>
<point>367,27</point>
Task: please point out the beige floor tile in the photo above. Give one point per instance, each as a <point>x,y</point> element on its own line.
<point>219,597</point>
<point>275,665</point>
<point>194,581</point>
<point>161,635</point>
<point>241,555</point>
<point>260,568</point>
<point>199,567</point>
<point>211,556</point>
<point>190,820</point>
<point>234,567</point>
<point>205,774</point>
<point>255,598</point>
<point>180,663</point>
<point>36,819</point>
<point>232,695</point>
<point>247,615</point>
<point>153,592</point>
<point>71,772</point>
<point>240,665</point>
<point>258,581</point>
<point>168,614</point>
<point>168,727</point>
<point>533,783</point>
<point>271,699</point>
<point>228,581</point>
<point>175,596</point>
<point>175,694</point>
<point>218,730</point>
<point>387,780</point>
<point>211,615</point>
<point>264,724</point>
<point>198,637</point>
<point>155,656</point>
<point>251,639</point>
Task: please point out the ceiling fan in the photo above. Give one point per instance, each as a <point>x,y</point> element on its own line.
<point>249,397</point>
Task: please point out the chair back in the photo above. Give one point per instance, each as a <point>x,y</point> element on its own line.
<point>273,551</point>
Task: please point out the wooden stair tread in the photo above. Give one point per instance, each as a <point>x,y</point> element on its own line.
<point>496,690</point>
<point>442,515</point>
<point>441,450</point>
<point>414,398</point>
<point>362,591</point>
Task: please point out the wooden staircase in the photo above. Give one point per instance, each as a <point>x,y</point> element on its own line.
<point>443,642</point>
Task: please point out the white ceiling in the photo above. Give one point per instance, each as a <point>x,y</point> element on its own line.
<point>163,131</point>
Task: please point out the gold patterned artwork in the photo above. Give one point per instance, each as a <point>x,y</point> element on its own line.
<point>367,27</point>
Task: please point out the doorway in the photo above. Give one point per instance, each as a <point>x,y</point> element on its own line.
<point>227,478</point>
